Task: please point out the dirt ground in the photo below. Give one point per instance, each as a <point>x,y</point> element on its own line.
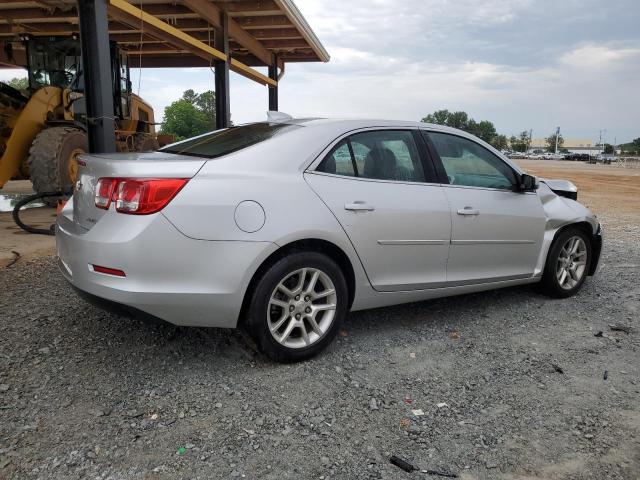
<point>608,189</point>
<point>16,243</point>
<point>506,385</point>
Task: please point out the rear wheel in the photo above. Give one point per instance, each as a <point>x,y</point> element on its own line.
<point>297,306</point>
<point>567,263</point>
<point>53,165</point>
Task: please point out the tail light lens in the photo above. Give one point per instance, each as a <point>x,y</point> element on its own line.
<point>137,196</point>
<point>104,192</point>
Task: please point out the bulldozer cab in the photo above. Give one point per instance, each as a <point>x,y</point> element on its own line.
<point>57,61</point>
<point>53,61</point>
<point>43,132</point>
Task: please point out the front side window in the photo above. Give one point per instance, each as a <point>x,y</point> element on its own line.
<point>380,155</point>
<point>467,163</point>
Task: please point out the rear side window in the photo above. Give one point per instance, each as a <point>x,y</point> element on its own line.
<point>339,161</point>
<point>223,142</point>
<point>380,154</point>
<point>467,163</point>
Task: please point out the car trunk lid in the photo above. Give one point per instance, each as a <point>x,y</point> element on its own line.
<point>124,165</point>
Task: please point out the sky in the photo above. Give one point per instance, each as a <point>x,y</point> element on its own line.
<point>522,64</point>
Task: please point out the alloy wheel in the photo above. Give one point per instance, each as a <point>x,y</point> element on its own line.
<point>572,263</point>
<point>302,308</point>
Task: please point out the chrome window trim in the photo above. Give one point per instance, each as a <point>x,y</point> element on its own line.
<point>376,180</point>
<point>504,190</point>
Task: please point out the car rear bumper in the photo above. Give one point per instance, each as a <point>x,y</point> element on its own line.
<point>168,275</point>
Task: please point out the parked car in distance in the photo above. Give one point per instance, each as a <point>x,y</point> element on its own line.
<point>583,157</point>
<point>282,227</point>
<point>606,158</point>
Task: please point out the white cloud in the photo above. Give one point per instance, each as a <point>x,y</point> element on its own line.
<point>519,63</point>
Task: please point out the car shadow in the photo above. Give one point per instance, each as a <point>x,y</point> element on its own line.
<point>221,346</point>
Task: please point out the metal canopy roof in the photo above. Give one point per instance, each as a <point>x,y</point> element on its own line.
<point>257,30</point>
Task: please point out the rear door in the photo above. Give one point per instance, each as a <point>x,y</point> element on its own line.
<point>496,232</point>
<point>385,196</point>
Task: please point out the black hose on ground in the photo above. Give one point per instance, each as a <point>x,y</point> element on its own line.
<point>32,198</point>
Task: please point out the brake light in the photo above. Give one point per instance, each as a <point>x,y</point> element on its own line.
<point>104,192</point>
<point>137,196</point>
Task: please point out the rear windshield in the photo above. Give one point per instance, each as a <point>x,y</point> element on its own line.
<point>224,142</point>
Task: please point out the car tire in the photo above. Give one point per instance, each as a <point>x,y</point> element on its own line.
<point>302,320</point>
<point>566,270</point>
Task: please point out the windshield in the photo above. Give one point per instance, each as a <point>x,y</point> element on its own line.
<point>223,142</point>
<point>53,61</point>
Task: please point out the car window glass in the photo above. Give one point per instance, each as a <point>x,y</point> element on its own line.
<point>470,164</point>
<point>223,142</point>
<point>338,161</point>
<point>387,155</point>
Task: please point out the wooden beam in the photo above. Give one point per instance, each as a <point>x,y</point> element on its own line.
<point>263,21</point>
<point>26,13</point>
<point>286,43</point>
<point>210,12</point>
<point>273,33</point>
<point>18,58</point>
<point>124,12</point>
<point>251,7</point>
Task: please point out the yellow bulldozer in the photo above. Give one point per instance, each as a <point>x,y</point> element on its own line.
<point>43,129</point>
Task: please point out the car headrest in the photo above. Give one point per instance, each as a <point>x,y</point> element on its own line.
<point>380,163</point>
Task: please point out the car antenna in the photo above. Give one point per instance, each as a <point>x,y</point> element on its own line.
<point>274,117</point>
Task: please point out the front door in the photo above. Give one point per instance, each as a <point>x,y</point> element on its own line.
<point>378,187</point>
<point>496,232</point>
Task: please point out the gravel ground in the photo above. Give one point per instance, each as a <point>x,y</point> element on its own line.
<point>512,386</point>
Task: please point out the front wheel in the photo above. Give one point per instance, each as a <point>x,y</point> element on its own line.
<point>567,263</point>
<point>297,306</point>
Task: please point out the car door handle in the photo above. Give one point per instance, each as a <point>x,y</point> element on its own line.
<point>468,211</point>
<point>359,205</point>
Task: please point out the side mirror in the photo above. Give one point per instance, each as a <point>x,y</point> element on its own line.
<point>528,183</point>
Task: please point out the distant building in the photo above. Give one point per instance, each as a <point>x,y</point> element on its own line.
<point>574,145</point>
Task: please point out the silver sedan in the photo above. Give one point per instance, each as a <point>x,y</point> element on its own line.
<point>282,227</point>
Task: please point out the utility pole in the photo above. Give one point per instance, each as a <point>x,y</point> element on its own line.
<point>604,130</point>
<point>557,135</point>
<point>530,138</point>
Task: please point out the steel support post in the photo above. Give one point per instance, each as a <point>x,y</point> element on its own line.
<point>223,113</point>
<point>273,90</point>
<point>96,68</point>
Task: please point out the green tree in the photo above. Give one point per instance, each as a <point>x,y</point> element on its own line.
<point>484,130</point>
<point>183,120</point>
<point>551,142</point>
<point>521,143</point>
<point>500,142</point>
<point>21,84</point>
<point>608,148</point>
<point>636,144</point>
<point>439,117</point>
<point>190,96</point>
<point>206,103</point>
<point>460,120</point>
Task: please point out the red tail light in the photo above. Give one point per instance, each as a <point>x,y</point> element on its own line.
<point>104,192</point>
<point>137,196</point>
